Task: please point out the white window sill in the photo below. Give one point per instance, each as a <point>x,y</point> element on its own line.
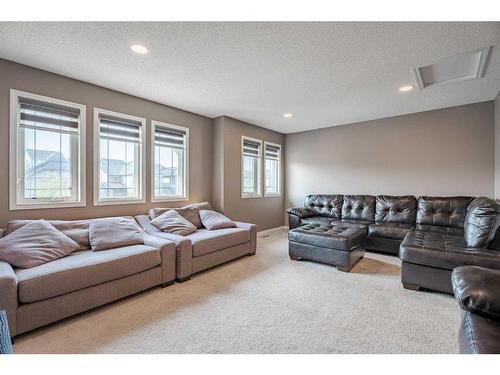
<point>170,199</point>
<point>112,202</point>
<point>244,196</point>
<point>39,206</point>
<point>272,195</point>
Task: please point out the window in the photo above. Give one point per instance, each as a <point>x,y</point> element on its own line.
<point>170,162</point>
<point>119,164</point>
<point>250,161</point>
<point>47,152</point>
<point>272,169</point>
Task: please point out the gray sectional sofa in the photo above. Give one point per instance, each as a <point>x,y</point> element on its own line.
<point>204,249</point>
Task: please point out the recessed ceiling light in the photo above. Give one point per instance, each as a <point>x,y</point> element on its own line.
<point>405,88</point>
<point>137,48</point>
<point>287,115</point>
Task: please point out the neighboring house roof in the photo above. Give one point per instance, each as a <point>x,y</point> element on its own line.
<point>46,161</point>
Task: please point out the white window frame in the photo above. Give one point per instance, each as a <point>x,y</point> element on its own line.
<point>142,164</point>
<point>259,172</point>
<point>271,195</point>
<point>154,123</point>
<point>16,164</point>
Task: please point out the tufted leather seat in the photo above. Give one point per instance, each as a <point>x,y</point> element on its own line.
<point>338,244</point>
<point>445,251</point>
<point>338,236</point>
<point>439,229</point>
<point>395,231</point>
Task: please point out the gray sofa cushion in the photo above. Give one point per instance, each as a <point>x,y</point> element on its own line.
<point>396,231</point>
<point>34,244</point>
<point>112,232</point>
<point>83,269</point>
<point>481,222</point>
<point>213,220</point>
<point>77,230</point>
<point>173,222</point>
<point>206,242</point>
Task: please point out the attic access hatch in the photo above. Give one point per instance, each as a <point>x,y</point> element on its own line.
<point>462,67</point>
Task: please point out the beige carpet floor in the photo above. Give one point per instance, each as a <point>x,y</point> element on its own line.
<point>266,304</point>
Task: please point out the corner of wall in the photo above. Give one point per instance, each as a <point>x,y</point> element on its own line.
<point>497,146</point>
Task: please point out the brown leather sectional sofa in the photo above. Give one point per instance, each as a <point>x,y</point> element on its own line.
<point>431,235</point>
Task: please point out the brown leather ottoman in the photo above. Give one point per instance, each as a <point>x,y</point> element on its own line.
<point>338,244</point>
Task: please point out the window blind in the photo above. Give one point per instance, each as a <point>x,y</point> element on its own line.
<point>119,129</point>
<point>251,148</point>
<point>168,137</point>
<point>36,114</point>
<point>272,152</point>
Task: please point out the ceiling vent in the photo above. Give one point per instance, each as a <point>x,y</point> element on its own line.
<point>462,67</point>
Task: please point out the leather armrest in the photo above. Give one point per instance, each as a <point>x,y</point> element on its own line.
<point>477,290</point>
<point>8,294</point>
<point>301,212</point>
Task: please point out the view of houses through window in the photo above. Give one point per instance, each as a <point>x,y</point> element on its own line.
<point>120,156</point>
<point>170,161</point>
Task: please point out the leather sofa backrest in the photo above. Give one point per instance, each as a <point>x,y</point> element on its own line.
<point>481,222</point>
<point>396,209</point>
<point>359,207</point>
<point>443,211</point>
<point>325,204</point>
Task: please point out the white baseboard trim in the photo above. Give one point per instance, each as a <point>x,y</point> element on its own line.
<point>271,231</point>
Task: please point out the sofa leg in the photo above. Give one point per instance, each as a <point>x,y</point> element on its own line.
<point>168,283</point>
<point>183,279</point>
<point>411,286</point>
<point>251,254</point>
<point>295,257</point>
<point>344,269</point>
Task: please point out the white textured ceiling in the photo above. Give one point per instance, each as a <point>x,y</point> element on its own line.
<point>324,73</point>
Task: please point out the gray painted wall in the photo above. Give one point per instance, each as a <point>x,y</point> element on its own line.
<point>44,83</point>
<point>497,147</point>
<point>266,212</point>
<point>443,152</point>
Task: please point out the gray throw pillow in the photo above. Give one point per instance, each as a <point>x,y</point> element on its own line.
<point>173,222</point>
<point>481,222</point>
<point>190,212</point>
<point>77,230</point>
<point>35,243</point>
<point>213,220</point>
<point>113,232</point>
